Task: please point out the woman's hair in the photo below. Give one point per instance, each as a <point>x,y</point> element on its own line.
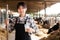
<point>21,4</point>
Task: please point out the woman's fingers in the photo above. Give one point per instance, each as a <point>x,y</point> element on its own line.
<point>29,30</point>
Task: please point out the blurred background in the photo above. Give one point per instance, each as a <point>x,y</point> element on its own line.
<point>46,14</point>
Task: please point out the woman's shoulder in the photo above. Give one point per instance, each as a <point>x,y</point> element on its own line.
<point>13,19</point>
<point>28,16</point>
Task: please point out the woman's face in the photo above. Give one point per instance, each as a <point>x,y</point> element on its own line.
<point>22,10</point>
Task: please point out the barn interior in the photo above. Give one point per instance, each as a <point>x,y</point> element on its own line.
<point>46,14</point>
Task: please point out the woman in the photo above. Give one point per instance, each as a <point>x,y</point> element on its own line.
<point>24,24</point>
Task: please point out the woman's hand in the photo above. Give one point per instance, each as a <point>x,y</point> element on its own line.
<point>6,22</point>
<point>29,30</point>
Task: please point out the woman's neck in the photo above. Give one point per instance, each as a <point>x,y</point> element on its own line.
<point>22,15</point>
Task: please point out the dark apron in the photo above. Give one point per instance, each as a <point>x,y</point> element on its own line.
<point>20,32</point>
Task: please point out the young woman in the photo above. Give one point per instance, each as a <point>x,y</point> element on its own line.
<point>24,24</point>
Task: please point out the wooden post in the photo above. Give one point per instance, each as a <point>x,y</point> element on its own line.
<point>7,22</point>
<point>45,8</point>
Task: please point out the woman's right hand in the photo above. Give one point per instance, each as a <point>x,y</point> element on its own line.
<point>6,22</point>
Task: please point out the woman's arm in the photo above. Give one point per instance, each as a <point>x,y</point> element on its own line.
<point>11,24</point>
<point>31,26</point>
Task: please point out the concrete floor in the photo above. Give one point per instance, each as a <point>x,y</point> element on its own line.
<point>11,36</point>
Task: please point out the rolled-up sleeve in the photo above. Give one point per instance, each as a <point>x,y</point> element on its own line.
<point>11,24</point>
<point>33,25</point>
<point>30,23</point>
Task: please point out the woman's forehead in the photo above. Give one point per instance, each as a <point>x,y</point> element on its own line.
<point>21,7</point>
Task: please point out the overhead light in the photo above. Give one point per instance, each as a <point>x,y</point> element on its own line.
<point>3,10</point>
